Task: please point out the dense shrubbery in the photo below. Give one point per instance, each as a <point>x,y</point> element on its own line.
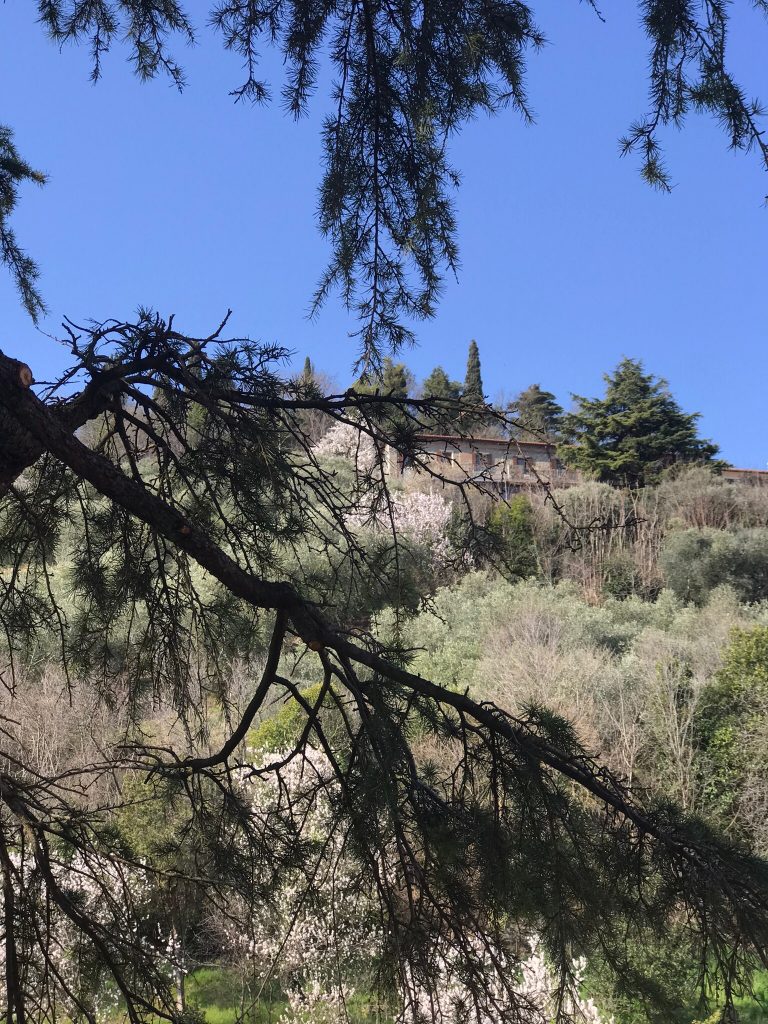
<point>692,532</point>
<point>638,679</point>
<point>694,562</point>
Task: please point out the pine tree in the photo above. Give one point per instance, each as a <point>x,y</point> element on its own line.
<point>391,381</point>
<point>148,565</point>
<point>439,385</point>
<point>635,431</point>
<point>308,372</point>
<point>394,379</point>
<point>538,413</point>
<point>13,172</point>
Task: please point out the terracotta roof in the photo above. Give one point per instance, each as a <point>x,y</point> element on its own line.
<point>752,472</point>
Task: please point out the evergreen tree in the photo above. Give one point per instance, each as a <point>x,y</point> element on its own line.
<point>635,431</point>
<point>538,413</point>
<point>148,565</point>
<point>13,172</point>
<point>473,381</point>
<point>308,372</point>
<point>474,420</point>
<point>438,385</point>
<point>394,379</point>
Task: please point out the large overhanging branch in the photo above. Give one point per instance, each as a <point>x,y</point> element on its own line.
<point>31,416</point>
<point>19,448</point>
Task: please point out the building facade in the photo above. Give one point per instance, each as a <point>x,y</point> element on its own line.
<point>497,463</point>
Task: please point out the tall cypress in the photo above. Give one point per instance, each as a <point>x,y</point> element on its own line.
<point>473,381</point>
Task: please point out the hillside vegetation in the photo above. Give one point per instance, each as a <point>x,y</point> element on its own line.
<point>636,619</point>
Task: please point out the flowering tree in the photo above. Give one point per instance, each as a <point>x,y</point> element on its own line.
<point>322,932</point>
<point>318,933</point>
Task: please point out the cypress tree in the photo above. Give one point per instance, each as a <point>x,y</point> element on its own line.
<point>473,381</point>
<point>474,419</point>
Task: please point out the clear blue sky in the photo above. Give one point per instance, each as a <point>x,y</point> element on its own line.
<point>191,204</point>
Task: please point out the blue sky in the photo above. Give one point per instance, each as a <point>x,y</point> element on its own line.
<point>192,204</point>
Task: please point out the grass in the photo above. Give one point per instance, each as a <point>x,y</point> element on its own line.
<point>224,998</point>
<point>755,1011</point>
<point>217,995</point>
<point>221,996</point>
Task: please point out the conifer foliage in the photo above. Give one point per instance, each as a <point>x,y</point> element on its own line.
<point>636,430</point>
<point>188,535</point>
<point>406,79</point>
<point>538,413</point>
<point>473,379</point>
<point>474,418</point>
<point>13,172</point>
<point>439,385</point>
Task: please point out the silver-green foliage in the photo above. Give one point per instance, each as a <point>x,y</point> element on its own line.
<point>630,674</point>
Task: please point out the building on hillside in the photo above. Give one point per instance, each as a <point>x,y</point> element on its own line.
<point>496,463</point>
<point>505,465</point>
<point>755,477</point>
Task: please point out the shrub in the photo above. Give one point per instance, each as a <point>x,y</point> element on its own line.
<point>620,576</point>
<point>510,525</point>
<point>732,730</point>
<point>695,496</point>
<point>696,561</point>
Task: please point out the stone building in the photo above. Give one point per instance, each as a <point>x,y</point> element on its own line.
<point>756,477</point>
<point>497,463</point>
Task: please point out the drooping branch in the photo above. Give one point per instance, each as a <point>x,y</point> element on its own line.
<point>408,77</point>
<point>308,623</point>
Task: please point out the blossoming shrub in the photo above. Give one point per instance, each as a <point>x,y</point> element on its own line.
<point>321,933</point>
